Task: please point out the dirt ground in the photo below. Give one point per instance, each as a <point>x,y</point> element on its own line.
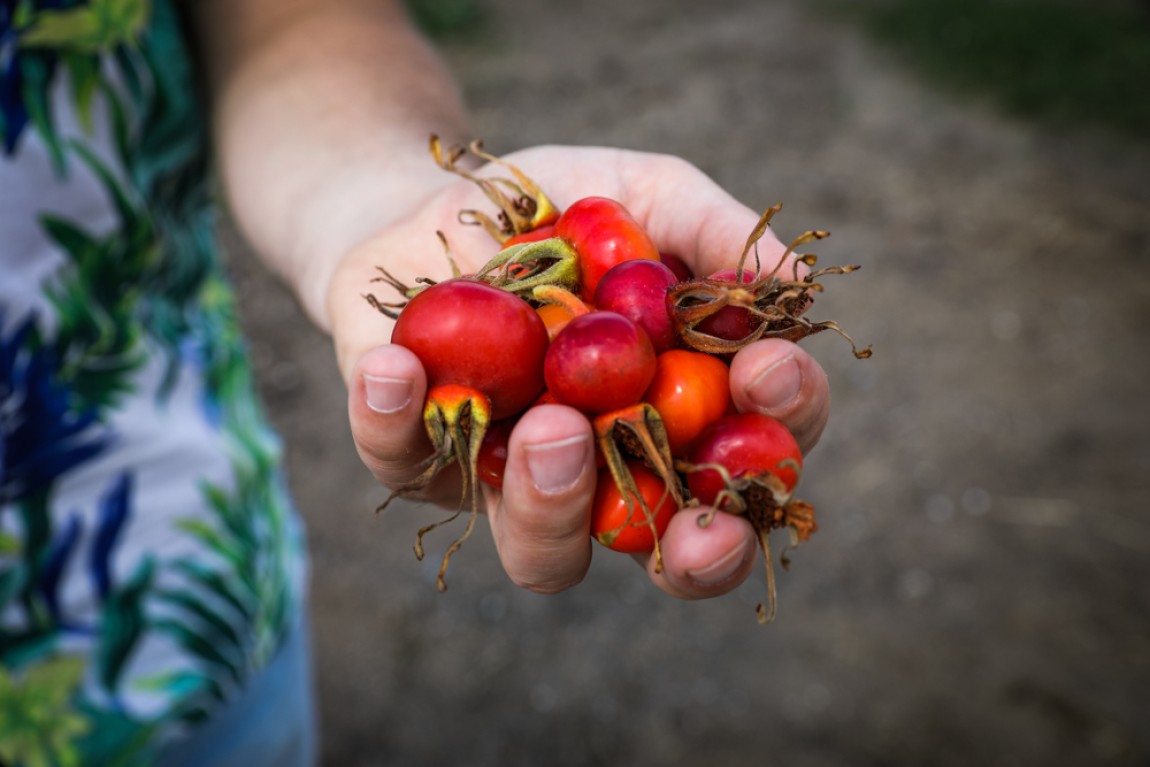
<point>978,592</point>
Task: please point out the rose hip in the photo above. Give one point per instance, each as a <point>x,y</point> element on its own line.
<point>580,308</point>
<point>638,290</point>
<point>482,349</point>
<point>492,459</point>
<point>469,333</point>
<point>732,322</point>
<point>603,233</point>
<point>690,391</point>
<point>678,266</point>
<point>751,449</point>
<point>749,464</point>
<point>600,362</point>
<point>633,521</point>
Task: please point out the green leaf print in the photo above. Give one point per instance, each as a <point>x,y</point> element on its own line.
<point>116,739</point>
<point>215,540</point>
<point>12,582</point>
<point>26,648</point>
<point>194,693</point>
<point>9,547</point>
<point>85,79</point>
<point>181,684</point>
<point>237,595</point>
<point>122,624</point>
<point>36,521</point>
<point>99,328</point>
<point>36,69</point>
<point>133,219</point>
<point>96,337</point>
<point>98,26</point>
<point>203,649</point>
<point>38,726</point>
<point>222,632</point>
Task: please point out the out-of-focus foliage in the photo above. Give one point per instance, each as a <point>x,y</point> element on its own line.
<point>1062,61</point>
<point>439,18</point>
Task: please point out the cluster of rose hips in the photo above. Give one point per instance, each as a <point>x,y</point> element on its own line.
<point>579,307</point>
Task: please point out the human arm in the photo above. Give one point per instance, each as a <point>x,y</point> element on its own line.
<point>328,196</point>
<point>320,118</point>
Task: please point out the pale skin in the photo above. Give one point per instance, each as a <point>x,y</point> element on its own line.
<point>322,113</point>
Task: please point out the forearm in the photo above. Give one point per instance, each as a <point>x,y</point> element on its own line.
<point>321,115</point>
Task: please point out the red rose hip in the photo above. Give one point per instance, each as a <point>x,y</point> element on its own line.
<point>638,290</point>
<point>469,333</point>
<point>600,362</point>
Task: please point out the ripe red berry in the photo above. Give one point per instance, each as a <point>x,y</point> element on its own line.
<point>600,362</point>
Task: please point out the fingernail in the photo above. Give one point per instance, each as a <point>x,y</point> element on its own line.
<point>557,466</point>
<point>778,385</point>
<point>387,395</point>
<point>725,568</point>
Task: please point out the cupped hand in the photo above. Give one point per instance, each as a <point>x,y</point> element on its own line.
<point>541,519</point>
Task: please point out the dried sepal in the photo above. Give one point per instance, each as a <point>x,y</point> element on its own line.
<point>523,207</point>
<point>778,303</point>
<point>756,234</point>
<point>392,309</point>
<point>456,272</point>
<point>534,203</point>
<point>389,308</point>
<point>637,432</point>
<point>456,419</point>
<point>765,502</point>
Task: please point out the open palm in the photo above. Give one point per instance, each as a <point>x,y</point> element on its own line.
<point>541,519</point>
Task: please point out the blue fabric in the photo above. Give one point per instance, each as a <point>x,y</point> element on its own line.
<point>272,724</point>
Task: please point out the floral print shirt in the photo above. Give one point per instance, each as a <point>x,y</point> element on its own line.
<point>150,561</point>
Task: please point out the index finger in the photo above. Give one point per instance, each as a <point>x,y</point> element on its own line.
<point>689,215</point>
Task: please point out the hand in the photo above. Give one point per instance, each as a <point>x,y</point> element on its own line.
<point>540,521</point>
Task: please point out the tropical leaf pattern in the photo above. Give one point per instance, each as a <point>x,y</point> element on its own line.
<point>107,644</point>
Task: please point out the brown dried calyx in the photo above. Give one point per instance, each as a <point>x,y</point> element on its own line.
<point>776,305</point>
<point>766,502</point>
<point>523,207</point>
<point>637,432</point>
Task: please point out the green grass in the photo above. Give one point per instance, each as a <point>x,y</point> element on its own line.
<point>1059,61</point>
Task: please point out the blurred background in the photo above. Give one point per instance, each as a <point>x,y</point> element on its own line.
<point>979,589</point>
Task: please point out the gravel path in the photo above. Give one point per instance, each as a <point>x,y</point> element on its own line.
<point>977,593</point>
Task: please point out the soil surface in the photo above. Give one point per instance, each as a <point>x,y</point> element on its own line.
<point>978,590</point>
